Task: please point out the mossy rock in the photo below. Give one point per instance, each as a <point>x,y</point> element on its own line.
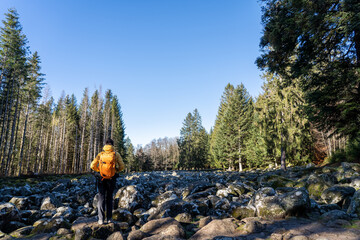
<point>51,225</point>
<point>300,184</point>
<point>276,181</point>
<point>22,232</point>
<point>272,211</point>
<point>316,189</point>
<point>243,212</point>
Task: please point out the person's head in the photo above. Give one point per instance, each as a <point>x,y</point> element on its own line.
<point>109,141</point>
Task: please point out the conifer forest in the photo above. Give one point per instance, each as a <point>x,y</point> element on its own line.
<point>307,112</point>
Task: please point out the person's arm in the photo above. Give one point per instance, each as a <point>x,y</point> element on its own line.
<point>95,163</point>
<point>119,164</point>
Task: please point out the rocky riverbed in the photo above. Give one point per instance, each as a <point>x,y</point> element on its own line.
<point>301,203</point>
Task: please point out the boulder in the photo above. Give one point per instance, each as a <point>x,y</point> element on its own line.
<point>241,212</point>
<point>66,212</point>
<point>131,198</point>
<point>166,196</point>
<point>22,232</point>
<point>184,218</point>
<point>124,215</point>
<point>296,202</point>
<point>333,215</point>
<point>137,235</point>
<point>337,194</point>
<point>316,186</point>
<point>104,231</point>
<point>22,203</point>
<point>11,226</point>
<point>251,225</point>
<point>50,203</point>
<point>224,227</point>
<point>83,233</point>
<point>9,212</point>
<point>51,225</point>
<point>204,221</point>
<point>165,226</point>
<point>115,236</point>
<point>354,207</point>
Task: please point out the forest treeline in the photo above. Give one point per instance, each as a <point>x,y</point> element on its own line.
<point>308,110</point>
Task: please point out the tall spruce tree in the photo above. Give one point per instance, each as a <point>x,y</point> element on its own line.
<point>193,143</point>
<point>13,75</point>
<point>283,123</point>
<point>118,127</point>
<point>231,127</point>
<point>216,149</point>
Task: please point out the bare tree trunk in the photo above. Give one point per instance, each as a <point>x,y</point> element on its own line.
<point>38,150</point>
<point>330,148</point>
<point>67,164</point>
<point>283,154</point>
<point>12,134</point>
<point>42,156</point>
<point>28,152</point>
<point>75,168</point>
<point>50,163</point>
<point>55,157</point>
<point>62,142</point>
<point>23,138</point>
<point>90,149</point>
<point>12,159</point>
<point>5,126</point>
<point>327,147</point>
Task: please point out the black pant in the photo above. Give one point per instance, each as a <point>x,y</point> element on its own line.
<point>105,204</point>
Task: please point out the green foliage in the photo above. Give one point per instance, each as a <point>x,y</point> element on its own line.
<point>318,43</point>
<point>282,123</point>
<point>118,127</point>
<point>193,143</point>
<point>350,154</point>
<point>231,129</point>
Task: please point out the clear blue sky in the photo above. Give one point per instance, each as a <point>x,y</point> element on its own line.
<point>162,58</point>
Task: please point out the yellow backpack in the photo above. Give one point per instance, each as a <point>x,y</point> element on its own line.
<point>107,165</point>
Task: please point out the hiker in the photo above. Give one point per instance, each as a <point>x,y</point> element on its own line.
<point>108,163</point>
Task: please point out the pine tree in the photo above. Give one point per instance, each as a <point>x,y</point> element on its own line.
<point>318,43</point>
<point>216,150</point>
<point>13,67</point>
<point>118,127</point>
<point>193,143</point>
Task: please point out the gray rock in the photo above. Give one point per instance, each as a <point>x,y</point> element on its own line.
<point>184,218</point>
<point>11,226</point>
<point>165,227</point>
<point>63,231</point>
<point>224,227</point>
<point>354,207</point>
<point>335,214</point>
<point>241,212</point>
<point>137,235</point>
<point>9,212</point>
<point>251,225</point>
<point>124,215</point>
<point>22,232</point>
<point>337,194</point>
<point>130,198</point>
<point>166,196</point>
<point>296,202</point>
<point>51,225</point>
<point>115,236</point>
<point>83,233</point>
<point>50,203</point>
<point>21,203</point>
<point>204,221</point>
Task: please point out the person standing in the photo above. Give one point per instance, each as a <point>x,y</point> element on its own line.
<point>108,163</point>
